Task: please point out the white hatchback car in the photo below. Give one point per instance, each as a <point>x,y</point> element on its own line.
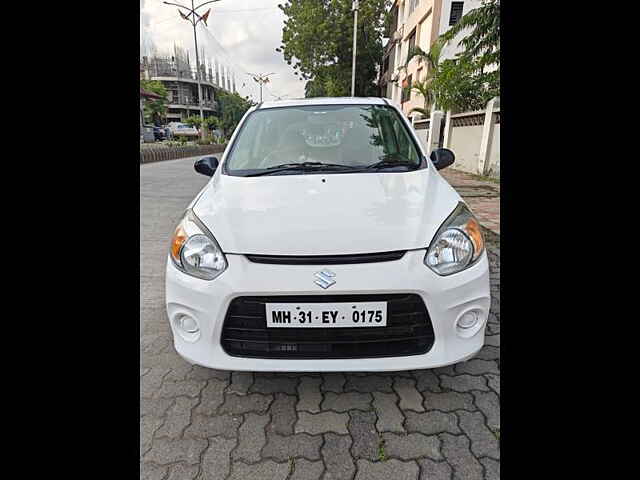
<point>326,240</point>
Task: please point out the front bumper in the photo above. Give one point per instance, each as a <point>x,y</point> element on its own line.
<point>446,299</point>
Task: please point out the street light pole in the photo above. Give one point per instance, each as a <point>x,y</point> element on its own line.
<point>194,21</point>
<point>260,79</point>
<point>354,7</point>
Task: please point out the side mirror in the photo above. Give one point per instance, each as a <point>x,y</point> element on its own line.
<point>206,166</point>
<point>442,158</point>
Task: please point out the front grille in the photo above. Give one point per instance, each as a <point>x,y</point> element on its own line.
<point>327,259</point>
<point>408,332</point>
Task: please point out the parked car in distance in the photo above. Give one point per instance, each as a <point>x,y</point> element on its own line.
<point>326,240</point>
<point>182,129</point>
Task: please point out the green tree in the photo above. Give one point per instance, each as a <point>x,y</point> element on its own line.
<point>457,88</point>
<point>481,43</point>
<point>232,108</point>
<point>425,87</point>
<point>193,121</point>
<point>317,39</point>
<point>155,110</point>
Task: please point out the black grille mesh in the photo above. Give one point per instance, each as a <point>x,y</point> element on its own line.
<point>408,332</point>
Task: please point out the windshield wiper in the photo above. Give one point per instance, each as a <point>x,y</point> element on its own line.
<point>386,162</point>
<point>310,166</point>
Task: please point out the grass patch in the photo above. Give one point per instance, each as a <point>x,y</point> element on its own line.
<point>381,453</point>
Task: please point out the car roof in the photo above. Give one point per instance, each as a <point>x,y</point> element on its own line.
<point>298,102</point>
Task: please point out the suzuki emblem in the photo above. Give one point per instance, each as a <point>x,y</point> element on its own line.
<point>324,278</point>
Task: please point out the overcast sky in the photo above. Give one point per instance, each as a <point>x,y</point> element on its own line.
<point>243,34</point>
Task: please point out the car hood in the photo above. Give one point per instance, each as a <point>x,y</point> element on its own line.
<point>325,214</point>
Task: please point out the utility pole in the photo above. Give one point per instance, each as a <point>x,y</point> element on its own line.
<point>194,20</point>
<point>260,79</point>
<point>354,7</point>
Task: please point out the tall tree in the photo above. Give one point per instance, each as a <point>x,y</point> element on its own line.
<point>481,45</point>
<point>155,109</point>
<point>232,107</point>
<point>317,39</point>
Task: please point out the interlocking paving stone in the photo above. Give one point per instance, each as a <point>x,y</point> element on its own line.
<point>368,384</point>
<point>251,438</point>
<point>202,426</point>
<point>411,446</point>
<point>389,470</point>
<point>464,383</point>
<point>216,461</point>
<point>483,441</point>
<point>181,471</point>
<point>148,426</point>
<point>337,459</point>
<point>179,371</point>
<point>342,402</point>
<point>306,470</point>
<point>189,388</point>
<point>432,422</point>
<point>410,398</point>
<point>156,407</point>
<point>488,353</point>
<point>202,373</point>
<point>426,380</point>
<point>275,384</point>
<point>283,447</point>
<point>448,401</point>
<point>333,382</point>
<point>267,470</point>
<point>389,416</point>
<point>489,404</point>
<point>283,414</point>
<point>240,382</point>
<point>166,450</point>
<point>187,439</point>
<point>430,470</point>
<point>153,472</point>
<point>178,418</point>
<point>477,366</point>
<point>309,394</point>
<point>152,381</point>
<point>212,397</point>
<point>254,402</point>
<point>494,382</point>
<point>317,423</point>
<point>456,451</point>
<point>362,427</point>
<point>491,468</point>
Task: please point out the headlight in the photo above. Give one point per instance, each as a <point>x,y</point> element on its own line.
<point>457,245</point>
<point>194,249</point>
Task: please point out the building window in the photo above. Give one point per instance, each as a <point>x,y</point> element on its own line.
<point>456,12</point>
<point>413,4</point>
<point>412,42</point>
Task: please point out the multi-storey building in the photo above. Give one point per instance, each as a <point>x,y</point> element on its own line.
<point>416,23</point>
<point>179,78</point>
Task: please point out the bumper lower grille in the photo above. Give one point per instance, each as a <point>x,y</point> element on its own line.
<point>408,332</point>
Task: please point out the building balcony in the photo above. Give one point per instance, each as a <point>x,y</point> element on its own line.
<point>210,105</point>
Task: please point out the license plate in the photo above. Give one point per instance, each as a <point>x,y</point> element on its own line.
<point>326,315</point>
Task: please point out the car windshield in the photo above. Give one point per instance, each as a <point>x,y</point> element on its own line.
<point>355,136</point>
